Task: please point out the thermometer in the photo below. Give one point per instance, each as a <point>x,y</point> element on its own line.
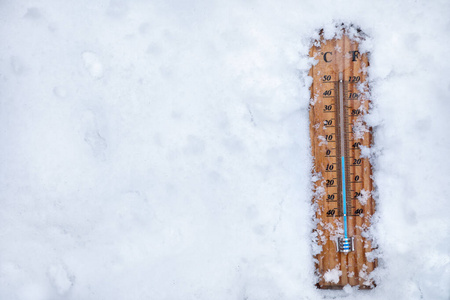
<point>343,184</point>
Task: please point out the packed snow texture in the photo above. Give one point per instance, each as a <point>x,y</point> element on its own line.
<point>160,149</point>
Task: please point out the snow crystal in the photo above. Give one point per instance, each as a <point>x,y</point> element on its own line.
<point>359,129</point>
<point>365,276</point>
<point>365,195</point>
<point>348,289</point>
<point>333,275</point>
<point>366,152</point>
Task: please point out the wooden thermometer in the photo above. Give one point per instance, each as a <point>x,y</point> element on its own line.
<point>342,174</point>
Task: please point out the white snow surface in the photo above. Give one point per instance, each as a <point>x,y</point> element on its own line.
<point>160,149</point>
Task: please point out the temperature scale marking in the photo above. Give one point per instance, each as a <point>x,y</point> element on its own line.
<point>343,190</point>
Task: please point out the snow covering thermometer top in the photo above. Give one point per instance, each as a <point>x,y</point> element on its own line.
<point>342,174</point>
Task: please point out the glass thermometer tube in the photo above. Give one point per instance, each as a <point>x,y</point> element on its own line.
<point>345,244</point>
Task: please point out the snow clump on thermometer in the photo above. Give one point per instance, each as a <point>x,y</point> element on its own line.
<point>365,195</point>
<point>333,275</point>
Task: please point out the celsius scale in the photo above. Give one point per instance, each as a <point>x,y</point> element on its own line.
<point>343,184</point>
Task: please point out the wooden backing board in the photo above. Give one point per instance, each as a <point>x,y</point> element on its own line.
<point>341,55</point>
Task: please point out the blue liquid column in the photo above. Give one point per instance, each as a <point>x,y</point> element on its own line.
<point>344,198</point>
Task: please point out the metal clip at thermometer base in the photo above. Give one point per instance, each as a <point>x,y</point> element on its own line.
<point>345,245</point>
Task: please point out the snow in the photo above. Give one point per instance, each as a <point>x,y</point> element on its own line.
<point>160,149</point>
<point>333,275</point>
<point>365,195</point>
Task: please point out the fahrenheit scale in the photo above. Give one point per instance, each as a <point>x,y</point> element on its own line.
<point>342,174</point>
